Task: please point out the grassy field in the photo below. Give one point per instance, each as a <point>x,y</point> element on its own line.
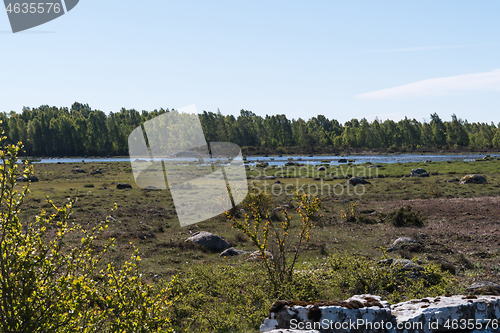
<point>460,233</point>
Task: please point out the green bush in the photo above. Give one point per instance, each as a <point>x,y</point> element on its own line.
<point>405,217</point>
<point>275,236</point>
<point>348,275</point>
<point>221,298</point>
<point>47,286</point>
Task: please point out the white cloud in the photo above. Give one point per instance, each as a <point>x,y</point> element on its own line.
<point>421,48</point>
<point>489,81</point>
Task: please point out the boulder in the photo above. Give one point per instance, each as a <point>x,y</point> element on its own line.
<point>96,172</point>
<point>357,181</point>
<point>322,316</point>
<point>342,160</point>
<point>427,315</point>
<point>31,178</point>
<point>231,252</point>
<point>484,288</point>
<point>78,170</point>
<point>375,166</point>
<point>444,311</point>
<point>473,179</point>
<point>256,255</point>
<point>419,173</point>
<point>321,168</point>
<point>398,242</point>
<point>454,180</point>
<point>111,218</point>
<point>280,207</point>
<point>406,265</point>
<point>208,240</point>
<point>123,186</point>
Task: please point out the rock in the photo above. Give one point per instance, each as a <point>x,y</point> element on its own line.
<point>264,177</point>
<point>78,170</point>
<point>443,310</point>
<point>401,240</point>
<point>256,255</point>
<point>357,180</point>
<point>279,208</point>
<point>31,178</point>
<point>427,315</point>
<point>473,179</point>
<point>342,160</point>
<point>111,218</point>
<point>452,180</point>
<point>231,252</point>
<point>96,172</point>
<point>406,265</point>
<point>277,182</point>
<point>123,186</point>
<point>322,316</point>
<point>321,168</point>
<point>428,161</point>
<point>419,173</point>
<point>290,163</point>
<point>375,166</point>
<point>386,262</point>
<point>484,288</point>
<point>210,241</point>
<point>411,268</point>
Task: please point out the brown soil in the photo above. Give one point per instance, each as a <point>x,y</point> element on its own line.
<point>461,231</point>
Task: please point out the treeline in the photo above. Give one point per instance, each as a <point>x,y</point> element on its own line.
<point>80,130</point>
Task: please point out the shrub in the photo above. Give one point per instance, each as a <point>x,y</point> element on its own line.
<point>405,217</point>
<point>220,298</point>
<point>434,190</point>
<point>274,236</point>
<point>351,214</point>
<point>47,286</point>
<point>349,274</point>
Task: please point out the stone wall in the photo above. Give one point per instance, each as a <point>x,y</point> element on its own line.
<point>370,314</point>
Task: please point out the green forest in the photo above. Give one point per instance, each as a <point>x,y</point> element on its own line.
<point>80,130</point>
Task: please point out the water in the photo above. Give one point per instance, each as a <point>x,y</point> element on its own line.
<point>333,160</point>
<point>374,159</point>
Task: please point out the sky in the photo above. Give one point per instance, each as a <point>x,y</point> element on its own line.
<point>340,59</point>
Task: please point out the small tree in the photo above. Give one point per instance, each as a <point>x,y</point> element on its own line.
<point>47,286</point>
<point>280,266</point>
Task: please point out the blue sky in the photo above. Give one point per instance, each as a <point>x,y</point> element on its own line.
<point>342,59</point>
